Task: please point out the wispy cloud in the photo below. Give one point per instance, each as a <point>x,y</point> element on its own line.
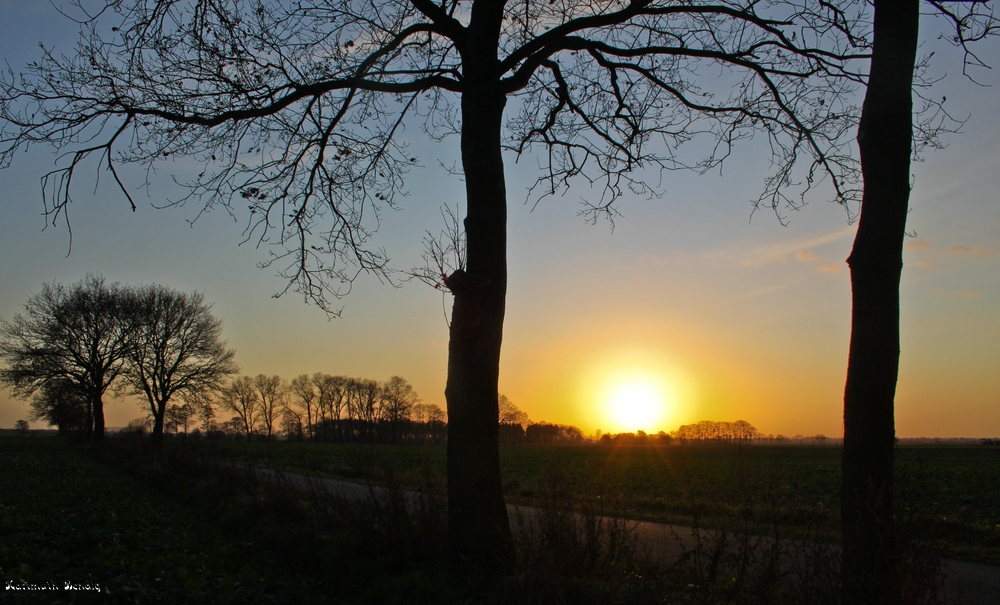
<point>917,246</point>
<point>963,293</point>
<point>807,256</point>
<point>922,264</point>
<point>973,251</point>
<point>797,249</point>
<point>829,268</point>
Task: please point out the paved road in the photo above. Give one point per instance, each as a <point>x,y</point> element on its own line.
<point>967,583</point>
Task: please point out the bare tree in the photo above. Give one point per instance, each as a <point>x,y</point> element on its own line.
<point>270,392</point>
<point>203,403</point>
<point>177,417</point>
<point>304,390</point>
<point>76,334</point>
<point>398,399</point>
<point>510,413</point>
<point>887,136</point>
<point>290,417</point>
<point>301,122</point>
<point>332,401</point>
<point>240,396</point>
<point>175,348</point>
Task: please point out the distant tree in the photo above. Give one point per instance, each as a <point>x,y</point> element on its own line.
<point>178,416</point>
<point>290,421</point>
<point>203,403</point>
<point>303,396</point>
<point>175,347</point>
<point>76,334</point>
<point>332,402</point>
<point>139,426</point>
<point>544,433</point>
<point>241,397</point>
<point>270,392</point>
<point>237,426</point>
<point>63,404</point>
<point>510,413</point>
<point>398,399</point>
<point>22,427</point>
<point>740,432</point>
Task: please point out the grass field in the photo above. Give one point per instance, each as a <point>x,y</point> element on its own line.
<point>948,496</point>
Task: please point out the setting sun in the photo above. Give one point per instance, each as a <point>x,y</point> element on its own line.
<point>636,404</point>
<point>635,390</point>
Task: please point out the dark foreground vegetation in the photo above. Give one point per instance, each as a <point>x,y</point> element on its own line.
<point>948,495</point>
<point>176,526</point>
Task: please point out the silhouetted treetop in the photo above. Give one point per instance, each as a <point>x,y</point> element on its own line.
<point>295,110</point>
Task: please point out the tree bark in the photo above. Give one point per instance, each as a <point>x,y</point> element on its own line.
<point>98,406</point>
<point>479,530</point>
<point>870,560</point>
<point>156,438</point>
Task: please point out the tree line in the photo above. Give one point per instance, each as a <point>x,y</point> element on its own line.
<point>73,344</point>
<point>323,407</point>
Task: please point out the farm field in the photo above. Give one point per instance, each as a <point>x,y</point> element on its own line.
<point>180,528</point>
<point>66,518</point>
<point>948,496</point>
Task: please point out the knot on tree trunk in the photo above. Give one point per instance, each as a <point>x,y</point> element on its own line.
<point>460,282</point>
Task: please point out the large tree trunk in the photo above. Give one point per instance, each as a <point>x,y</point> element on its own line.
<point>98,406</point>
<point>479,530</point>
<point>870,561</point>
<point>156,438</point>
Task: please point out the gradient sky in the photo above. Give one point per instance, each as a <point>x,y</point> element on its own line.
<point>733,317</point>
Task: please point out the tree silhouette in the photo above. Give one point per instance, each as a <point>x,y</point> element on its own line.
<point>61,403</point>
<point>240,396</point>
<point>74,334</point>
<point>296,111</point>
<point>175,347</point>
<point>304,390</point>
<point>870,557</point>
<point>270,392</point>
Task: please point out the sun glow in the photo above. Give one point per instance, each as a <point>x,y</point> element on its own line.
<point>637,404</point>
<point>628,391</point>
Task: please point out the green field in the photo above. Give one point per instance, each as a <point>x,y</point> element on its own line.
<point>948,496</point>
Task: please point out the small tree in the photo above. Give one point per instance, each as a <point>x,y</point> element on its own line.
<point>61,403</point>
<point>241,397</point>
<point>510,413</point>
<point>22,427</point>
<point>178,417</point>
<point>398,399</point>
<point>175,347</point>
<point>270,393</point>
<point>303,390</point>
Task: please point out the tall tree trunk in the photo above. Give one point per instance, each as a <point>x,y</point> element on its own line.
<point>478,527</point>
<point>870,561</point>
